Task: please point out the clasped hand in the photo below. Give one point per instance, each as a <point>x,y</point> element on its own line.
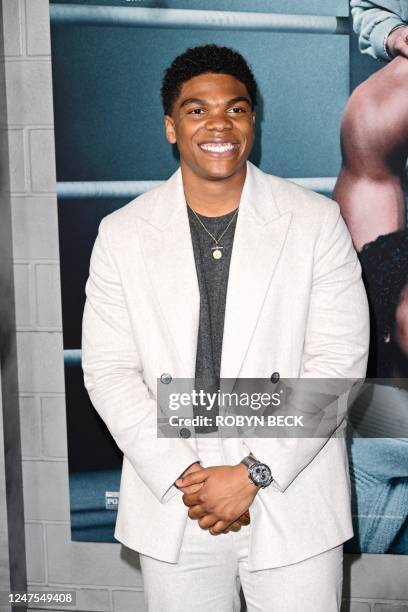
<point>397,42</point>
<point>218,496</point>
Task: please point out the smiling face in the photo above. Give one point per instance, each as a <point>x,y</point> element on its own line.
<point>212,123</point>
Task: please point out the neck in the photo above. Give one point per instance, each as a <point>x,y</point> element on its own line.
<point>213,198</point>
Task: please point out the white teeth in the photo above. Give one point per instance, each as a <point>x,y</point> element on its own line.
<point>218,147</point>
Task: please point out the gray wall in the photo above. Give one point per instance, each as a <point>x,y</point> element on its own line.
<point>105,576</point>
<point>12,541</point>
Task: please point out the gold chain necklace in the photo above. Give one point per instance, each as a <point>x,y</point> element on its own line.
<point>216,249</point>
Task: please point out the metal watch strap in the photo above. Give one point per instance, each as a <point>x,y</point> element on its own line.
<point>249,461</point>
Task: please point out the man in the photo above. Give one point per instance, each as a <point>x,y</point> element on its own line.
<point>370,192</point>
<point>224,272</point>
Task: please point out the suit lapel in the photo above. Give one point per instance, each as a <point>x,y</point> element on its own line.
<point>259,237</point>
<point>166,241</point>
<point>168,249</point>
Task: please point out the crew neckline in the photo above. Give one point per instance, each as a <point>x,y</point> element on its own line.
<point>225,216</point>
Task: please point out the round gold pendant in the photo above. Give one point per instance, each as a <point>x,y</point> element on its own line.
<point>217,254</point>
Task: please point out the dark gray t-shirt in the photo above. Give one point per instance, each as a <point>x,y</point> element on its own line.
<point>212,275</point>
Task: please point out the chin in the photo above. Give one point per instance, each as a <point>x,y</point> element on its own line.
<point>221,171</point>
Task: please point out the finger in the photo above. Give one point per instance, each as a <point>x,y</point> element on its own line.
<point>192,478</point>
<point>207,521</point>
<point>192,499</point>
<point>196,512</point>
<point>244,520</point>
<point>191,489</point>
<point>235,526</point>
<point>401,42</point>
<point>404,50</point>
<point>218,527</point>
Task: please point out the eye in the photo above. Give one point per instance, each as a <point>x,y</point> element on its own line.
<point>196,111</point>
<point>237,109</point>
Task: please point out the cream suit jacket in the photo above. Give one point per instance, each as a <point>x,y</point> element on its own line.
<point>295,305</point>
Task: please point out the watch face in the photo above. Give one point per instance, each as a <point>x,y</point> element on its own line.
<point>261,474</point>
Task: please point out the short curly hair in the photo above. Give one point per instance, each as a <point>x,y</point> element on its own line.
<point>200,60</point>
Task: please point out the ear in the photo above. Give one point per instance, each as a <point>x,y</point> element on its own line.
<point>253,116</point>
<point>170,129</point>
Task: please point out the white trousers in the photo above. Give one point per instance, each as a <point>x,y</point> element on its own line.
<point>212,569</point>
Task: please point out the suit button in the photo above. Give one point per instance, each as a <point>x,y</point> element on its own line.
<point>184,432</point>
<point>166,378</point>
<point>275,377</point>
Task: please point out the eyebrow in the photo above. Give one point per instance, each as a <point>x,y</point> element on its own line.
<point>206,102</point>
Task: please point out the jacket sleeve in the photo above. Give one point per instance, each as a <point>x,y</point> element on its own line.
<point>114,381</point>
<point>373,22</point>
<point>335,346</point>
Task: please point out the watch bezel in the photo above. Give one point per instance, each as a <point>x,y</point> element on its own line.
<point>251,471</point>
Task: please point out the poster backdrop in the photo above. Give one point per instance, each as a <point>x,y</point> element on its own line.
<point>109,127</point>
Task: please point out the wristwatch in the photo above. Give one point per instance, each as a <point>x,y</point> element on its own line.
<point>259,473</point>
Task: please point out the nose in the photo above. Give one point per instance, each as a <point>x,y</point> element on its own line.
<point>218,122</point>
